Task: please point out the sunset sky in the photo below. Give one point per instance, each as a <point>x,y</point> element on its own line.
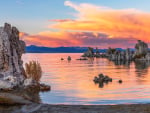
<point>96,23</point>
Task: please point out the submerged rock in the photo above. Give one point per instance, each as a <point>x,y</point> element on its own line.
<point>82,59</point>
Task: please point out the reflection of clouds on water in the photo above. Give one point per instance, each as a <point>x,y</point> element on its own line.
<point>72,83</point>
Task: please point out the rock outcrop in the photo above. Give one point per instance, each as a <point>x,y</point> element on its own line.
<point>141,53</point>
<point>11,49</point>
<point>89,52</point>
<point>141,49</point>
<point>101,79</point>
<point>116,55</point>
<point>97,54</point>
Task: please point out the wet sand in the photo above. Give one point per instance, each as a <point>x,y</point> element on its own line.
<point>46,108</point>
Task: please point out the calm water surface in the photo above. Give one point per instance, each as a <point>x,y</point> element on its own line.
<point>72,82</point>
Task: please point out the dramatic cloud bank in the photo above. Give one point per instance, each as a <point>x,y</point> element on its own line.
<point>128,23</point>
<point>95,26</point>
<point>84,39</point>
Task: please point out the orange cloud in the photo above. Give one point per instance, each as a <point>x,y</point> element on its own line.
<point>95,26</point>
<point>128,23</point>
<point>50,39</point>
<point>84,39</point>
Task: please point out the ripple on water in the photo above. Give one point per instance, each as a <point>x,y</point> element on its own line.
<point>72,82</point>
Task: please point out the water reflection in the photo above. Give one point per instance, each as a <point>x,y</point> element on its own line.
<point>142,67</point>
<point>72,83</point>
<point>124,63</point>
<point>31,94</point>
<point>142,64</point>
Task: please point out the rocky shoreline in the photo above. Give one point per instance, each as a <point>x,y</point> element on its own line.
<point>48,108</point>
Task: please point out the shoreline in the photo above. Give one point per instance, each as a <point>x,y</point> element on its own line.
<point>50,108</point>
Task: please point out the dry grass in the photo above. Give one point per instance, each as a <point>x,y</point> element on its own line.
<point>33,70</point>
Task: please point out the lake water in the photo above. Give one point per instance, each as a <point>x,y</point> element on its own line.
<point>72,82</point>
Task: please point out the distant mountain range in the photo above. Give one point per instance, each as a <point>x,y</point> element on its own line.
<point>38,49</point>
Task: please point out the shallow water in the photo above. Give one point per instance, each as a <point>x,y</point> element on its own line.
<point>72,82</point>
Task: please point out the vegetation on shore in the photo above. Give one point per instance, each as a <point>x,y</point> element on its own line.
<point>33,70</point>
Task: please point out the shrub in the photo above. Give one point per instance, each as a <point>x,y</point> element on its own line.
<point>33,70</point>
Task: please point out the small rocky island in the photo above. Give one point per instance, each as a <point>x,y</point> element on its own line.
<point>14,79</point>
<point>90,53</point>
<point>141,52</point>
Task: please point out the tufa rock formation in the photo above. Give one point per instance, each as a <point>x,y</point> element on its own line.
<point>101,79</point>
<point>141,49</point>
<point>11,49</point>
<point>116,55</point>
<point>141,53</point>
<point>16,86</point>
<point>97,54</point>
<point>89,53</point>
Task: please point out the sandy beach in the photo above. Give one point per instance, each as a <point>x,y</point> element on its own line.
<point>46,108</point>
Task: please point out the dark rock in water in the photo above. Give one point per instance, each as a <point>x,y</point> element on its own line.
<point>120,81</point>
<point>101,79</point>
<point>89,53</point>
<point>62,58</point>
<point>82,59</point>
<point>11,49</point>
<point>101,85</point>
<point>101,75</point>
<point>44,87</point>
<point>110,79</point>
<point>96,79</point>
<point>69,58</point>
